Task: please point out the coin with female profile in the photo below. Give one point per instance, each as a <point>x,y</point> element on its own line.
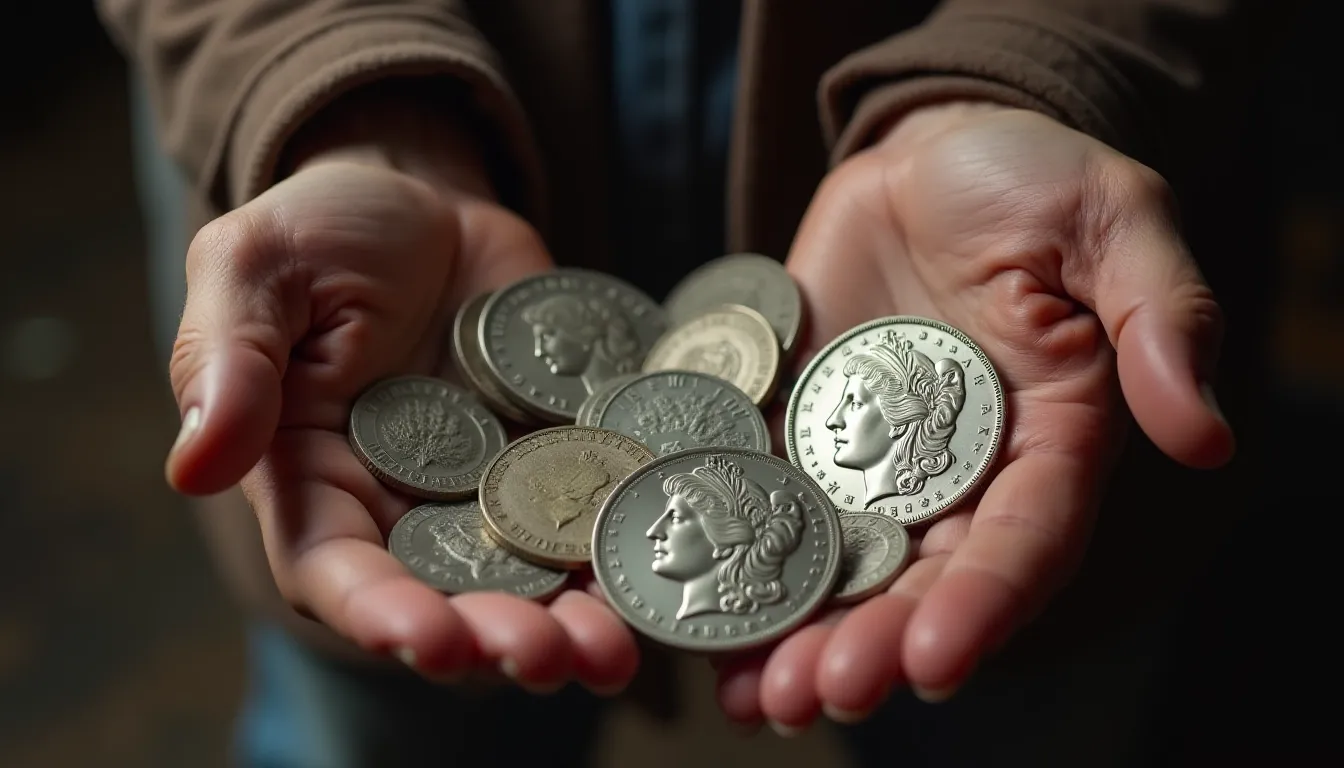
<point>876,551</point>
<point>717,550</point>
<point>551,339</point>
<point>446,547</point>
<point>732,342</point>
<point>901,416</point>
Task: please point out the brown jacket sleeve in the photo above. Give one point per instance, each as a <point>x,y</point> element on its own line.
<point>231,80</point>
<point>1124,71</point>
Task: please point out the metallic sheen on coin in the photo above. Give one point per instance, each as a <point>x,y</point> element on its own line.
<point>749,279</point>
<point>445,546</point>
<point>472,365</point>
<point>901,416</point>
<point>717,550</point>
<point>673,411</point>
<point>598,400</point>
<point>876,551</point>
<point>425,437</point>
<point>541,495</point>
<point>733,343</point>
<point>552,338</point>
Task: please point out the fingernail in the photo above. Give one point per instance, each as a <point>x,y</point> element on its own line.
<point>784,731</point>
<point>191,422</point>
<point>405,656</point>
<point>933,695</point>
<point>1211,400</point>
<point>843,716</point>
<point>509,668</point>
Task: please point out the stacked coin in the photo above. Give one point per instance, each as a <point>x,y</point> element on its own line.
<point>650,459</point>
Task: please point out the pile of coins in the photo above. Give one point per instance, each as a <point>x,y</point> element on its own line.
<point>646,455</point>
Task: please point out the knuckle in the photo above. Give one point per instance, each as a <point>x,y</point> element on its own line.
<point>186,360</point>
<point>240,242</point>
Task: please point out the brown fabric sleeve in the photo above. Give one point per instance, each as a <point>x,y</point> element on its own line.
<point>1124,71</point>
<point>232,80</point>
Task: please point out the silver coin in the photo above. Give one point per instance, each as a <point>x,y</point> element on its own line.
<point>672,411</point>
<point>717,550</point>
<point>591,407</point>
<point>425,437</point>
<point>749,279</point>
<point>446,546</point>
<point>471,362</point>
<point>876,551</point>
<point>901,416</point>
<point>731,342</point>
<point>552,338</point>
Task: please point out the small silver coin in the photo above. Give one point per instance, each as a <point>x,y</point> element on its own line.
<point>597,401</point>
<point>717,550</point>
<point>876,551</point>
<point>425,437</point>
<point>446,546</point>
<point>672,411</point>
<point>551,339</point>
<point>749,279</point>
<point>471,364</point>
<point>902,416</point>
<point>731,342</point>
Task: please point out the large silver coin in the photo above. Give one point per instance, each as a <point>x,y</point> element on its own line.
<point>749,279</point>
<point>551,339</point>
<point>901,416</point>
<point>425,437</point>
<point>876,551</point>
<point>717,550</point>
<point>591,407</point>
<point>672,411</point>
<point>732,342</point>
<point>446,546</point>
<point>471,362</point>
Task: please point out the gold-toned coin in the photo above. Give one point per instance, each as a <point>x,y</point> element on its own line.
<point>732,342</point>
<point>471,362</point>
<point>541,495</point>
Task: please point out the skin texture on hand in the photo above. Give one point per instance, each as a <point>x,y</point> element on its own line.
<point>348,271</point>
<point>1062,259</point>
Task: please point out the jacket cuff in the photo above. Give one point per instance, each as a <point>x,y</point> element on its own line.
<point>352,50</point>
<point>1039,64</point>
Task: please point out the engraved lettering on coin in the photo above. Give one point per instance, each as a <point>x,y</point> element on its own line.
<point>678,410</point>
<point>446,546</point>
<point>541,495</point>
<point>876,551</point>
<point>732,343</point>
<point>748,279</point>
<point>424,436</point>
<point>900,416</point>
<point>712,549</point>
<point>552,339</point>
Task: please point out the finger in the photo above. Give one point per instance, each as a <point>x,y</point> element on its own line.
<point>605,653</point>
<point>738,687</point>
<point>1025,539</point>
<point>237,328</point>
<point>526,643</point>
<point>861,661</point>
<point>789,681</point>
<point>1164,323</point>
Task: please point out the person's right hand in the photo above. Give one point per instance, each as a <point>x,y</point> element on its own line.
<point>345,273</point>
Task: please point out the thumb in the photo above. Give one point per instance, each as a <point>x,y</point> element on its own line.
<point>231,349</point>
<point>1166,328</point>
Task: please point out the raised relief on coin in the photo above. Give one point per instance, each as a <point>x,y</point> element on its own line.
<point>424,436</point>
<point>732,343</point>
<point>900,416</point>
<point>541,495</point>
<point>678,410</point>
<point>446,546</point>
<point>717,550</point>
<point>749,279</point>
<point>876,551</point>
<point>552,339</point>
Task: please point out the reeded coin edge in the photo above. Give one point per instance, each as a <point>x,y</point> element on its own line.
<point>788,341</point>
<point>776,630</point>
<point>1000,413</point>
<point>840,596</point>
<point>759,420</point>
<point>480,376</point>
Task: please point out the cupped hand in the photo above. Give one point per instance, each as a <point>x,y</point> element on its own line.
<point>345,273</point>
<point>1062,259</point>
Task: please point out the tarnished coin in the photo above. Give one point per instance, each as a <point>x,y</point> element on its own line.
<point>471,362</point>
<point>673,411</point>
<point>876,551</point>
<point>541,495</point>
<point>597,401</point>
<point>733,343</point>
<point>717,550</point>
<point>445,546</point>
<point>748,279</point>
<point>551,339</point>
<point>425,437</point>
<point>901,416</point>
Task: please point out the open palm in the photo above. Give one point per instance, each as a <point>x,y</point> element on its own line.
<point>1060,257</point>
<point>337,277</point>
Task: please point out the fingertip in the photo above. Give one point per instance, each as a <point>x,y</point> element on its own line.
<point>413,622</point>
<point>962,617</point>
<point>520,636</point>
<point>605,653</point>
<point>738,690</point>
<point>789,681</point>
<point>861,660</point>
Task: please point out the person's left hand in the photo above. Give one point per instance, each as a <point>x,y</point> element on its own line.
<point>1061,258</point>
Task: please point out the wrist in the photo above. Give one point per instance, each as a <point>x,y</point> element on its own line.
<point>913,126</point>
<point>416,127</point>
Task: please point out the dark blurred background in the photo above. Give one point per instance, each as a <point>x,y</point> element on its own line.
<point>119,647</point>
